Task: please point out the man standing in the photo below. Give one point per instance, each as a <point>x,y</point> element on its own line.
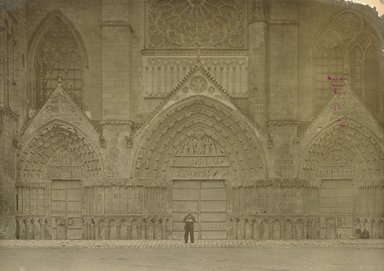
<point>189,226</point>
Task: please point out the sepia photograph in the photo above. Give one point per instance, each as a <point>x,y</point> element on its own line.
<point>160,135</point>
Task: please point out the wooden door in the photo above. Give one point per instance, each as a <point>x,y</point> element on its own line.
<point>336,205</point>
<point>207,200</point>
<point>66,209</point>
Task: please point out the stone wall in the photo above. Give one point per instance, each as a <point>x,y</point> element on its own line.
<point>8,205</point>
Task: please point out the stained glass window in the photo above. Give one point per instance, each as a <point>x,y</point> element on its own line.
<point>58,56</point>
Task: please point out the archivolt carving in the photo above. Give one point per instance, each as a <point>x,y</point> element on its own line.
<point>58,150</point>
<point>343,152</point>
<point>192,23</point>
<point>237,152</point>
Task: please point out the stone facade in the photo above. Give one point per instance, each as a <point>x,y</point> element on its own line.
<point>265,118</point>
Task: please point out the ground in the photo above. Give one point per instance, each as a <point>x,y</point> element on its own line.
<point>174,255</point>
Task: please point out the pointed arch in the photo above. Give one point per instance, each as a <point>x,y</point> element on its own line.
<point>342,152</point>
<point>58,150</point>
<point>342,48</point>
<point>195,136</point>
<point>44,27</point>
<point>56,50</point>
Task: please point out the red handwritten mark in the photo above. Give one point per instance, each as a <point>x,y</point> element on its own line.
<point>335,81</point>
<point>336,107</point>
<point>342,122</point>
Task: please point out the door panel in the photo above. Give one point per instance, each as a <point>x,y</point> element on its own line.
<point>66,209</point>
<point>207,200</point>
<point>336,205</point>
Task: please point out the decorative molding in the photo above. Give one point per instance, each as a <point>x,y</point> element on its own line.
<point>283,123</point>
<point>275,183</point>
<point>31,184</point>
<point>117,24</point>
<point>204,52</point>
<point>7,111</point>
<point>370,183</point>
<point>125,183</point>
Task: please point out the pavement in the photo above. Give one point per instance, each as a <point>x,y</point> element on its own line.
<point>351,243</point>
<point>174,255</point>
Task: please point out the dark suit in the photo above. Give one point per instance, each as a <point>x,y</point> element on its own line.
<point>189,221</point>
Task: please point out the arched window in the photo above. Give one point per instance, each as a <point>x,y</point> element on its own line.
<point>6,63</point>
<point>364,69</point>
<point>347,48</point>
<point>58,54</point>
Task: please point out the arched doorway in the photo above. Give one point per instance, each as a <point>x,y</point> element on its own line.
<point>54,160</point>
<point>344,160</point>
<point>198,144</point>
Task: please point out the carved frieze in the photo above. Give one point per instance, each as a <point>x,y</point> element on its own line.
<point>275,183</point>
<point>162,74</point>
<point>89,183</point>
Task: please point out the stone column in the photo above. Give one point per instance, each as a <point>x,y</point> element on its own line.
<point>381,90</point>
<point>116,36</point>
<point>258,61</point>
<point>283,58</point>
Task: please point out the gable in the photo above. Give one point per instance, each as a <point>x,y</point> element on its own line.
<point>62,108</point>
<point>342,108</point>
<point>198,82</point>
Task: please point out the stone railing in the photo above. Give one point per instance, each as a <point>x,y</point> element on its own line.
<point>109,227</point>
<point>268,226</point>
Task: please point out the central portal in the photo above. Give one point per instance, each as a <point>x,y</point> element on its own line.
<point>207,200</point>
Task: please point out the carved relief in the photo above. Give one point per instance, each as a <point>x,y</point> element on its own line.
<point>199,156</point>
<point>64,165</point>
<point>193,23</point>
<point>347,152</point>
<point>54,146</point>
<point>171,148</point>
<point>198,84</point>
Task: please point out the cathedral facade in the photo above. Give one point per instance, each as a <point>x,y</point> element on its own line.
<point>265,118</point>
